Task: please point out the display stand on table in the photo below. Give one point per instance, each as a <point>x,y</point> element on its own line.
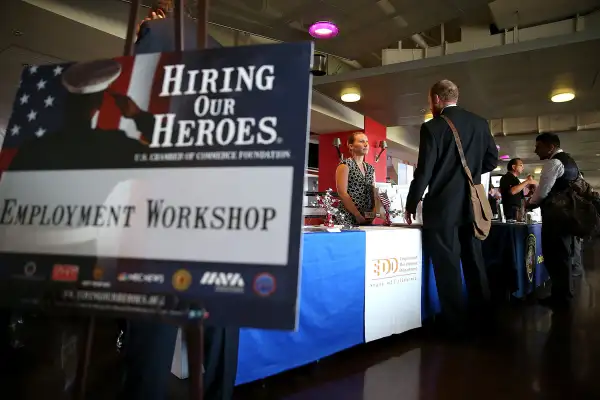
<point>194,328</point>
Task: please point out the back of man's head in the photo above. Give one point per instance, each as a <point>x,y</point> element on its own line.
<point>446,90</point>
<point>548,139</point>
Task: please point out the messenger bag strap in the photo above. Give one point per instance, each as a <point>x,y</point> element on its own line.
<point>460,149</point>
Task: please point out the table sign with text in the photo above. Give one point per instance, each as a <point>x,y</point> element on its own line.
<point>159,183</point>
<point>393,292</point>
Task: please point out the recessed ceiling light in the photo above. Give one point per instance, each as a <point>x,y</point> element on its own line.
<point>323,30</point>
<point>562,97</point>
<point>351,97</point>
<point>537,171</point>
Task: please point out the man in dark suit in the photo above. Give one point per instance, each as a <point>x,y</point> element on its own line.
<point>149,349</point>
<point>448,235</point>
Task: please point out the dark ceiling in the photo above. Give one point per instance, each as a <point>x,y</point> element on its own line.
<point>366,26</point>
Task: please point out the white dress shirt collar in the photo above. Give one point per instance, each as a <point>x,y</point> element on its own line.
<point>555,152</point>
<point>448,106</point>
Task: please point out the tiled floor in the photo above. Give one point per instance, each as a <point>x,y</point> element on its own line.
<point>535,355</point>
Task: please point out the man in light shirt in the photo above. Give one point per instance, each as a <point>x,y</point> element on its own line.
<point>559,170</point>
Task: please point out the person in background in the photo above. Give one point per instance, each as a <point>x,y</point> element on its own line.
<point>557,244</point>
<point>448,235</point>
<point>156,32</point>
<point>150,345</point>
<point>355,182</point>
<point>493,198</point>
<point>511,188</point>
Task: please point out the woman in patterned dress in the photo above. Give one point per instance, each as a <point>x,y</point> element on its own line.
<point>355,180</point>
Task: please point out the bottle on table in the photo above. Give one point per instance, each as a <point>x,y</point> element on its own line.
<point>501,211</point>
<point>521,212</point>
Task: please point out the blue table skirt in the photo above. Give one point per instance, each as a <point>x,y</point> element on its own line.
<point>505,253</point>
<point>332,292</point>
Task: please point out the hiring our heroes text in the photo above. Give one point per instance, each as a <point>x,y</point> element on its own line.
<point>216,122</point>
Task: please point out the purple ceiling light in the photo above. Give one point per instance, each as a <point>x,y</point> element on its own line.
<point>323,30</point>
<point>505,157</point>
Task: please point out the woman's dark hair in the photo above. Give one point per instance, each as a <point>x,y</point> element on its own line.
<point>352,137</point>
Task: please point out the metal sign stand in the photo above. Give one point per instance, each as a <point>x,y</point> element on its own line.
<point>194,328</point>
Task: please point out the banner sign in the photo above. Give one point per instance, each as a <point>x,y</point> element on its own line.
<point>394,263</point>
<point>160,182</point>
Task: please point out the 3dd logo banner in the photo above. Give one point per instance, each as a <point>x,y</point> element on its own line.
<point>386,266</point>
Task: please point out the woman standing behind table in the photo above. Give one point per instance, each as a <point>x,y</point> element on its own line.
<point>355,181</point>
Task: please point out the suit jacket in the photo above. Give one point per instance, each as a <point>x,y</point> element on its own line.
<point>448,202</point>
<point>158,36</point>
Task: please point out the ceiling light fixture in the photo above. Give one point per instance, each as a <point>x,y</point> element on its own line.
<point>505,157</point>
<point>350,96</point>
<point>562,97</point>
<point>323,30</point>
<point>538,170</point>
<point>497,169</point>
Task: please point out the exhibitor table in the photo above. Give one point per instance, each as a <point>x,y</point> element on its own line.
<point>356,287</point>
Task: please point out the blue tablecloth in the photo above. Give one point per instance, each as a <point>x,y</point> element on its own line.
<point>332,292</point>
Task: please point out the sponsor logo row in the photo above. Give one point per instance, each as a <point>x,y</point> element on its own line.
<point>263,284</point>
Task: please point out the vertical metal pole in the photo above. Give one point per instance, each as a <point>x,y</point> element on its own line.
<point>131,27</point>
<point>194,337</point>
<point>202,20</point>
<point>84,360</point>
<point>179,13</point>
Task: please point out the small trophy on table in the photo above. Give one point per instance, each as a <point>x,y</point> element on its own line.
<point>330,204</point>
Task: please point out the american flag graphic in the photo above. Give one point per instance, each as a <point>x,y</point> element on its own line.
<point>37,108</point>
<point>39,104</point>
<point>385,201</point>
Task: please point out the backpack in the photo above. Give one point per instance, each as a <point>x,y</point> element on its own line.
<point>576,209</point>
